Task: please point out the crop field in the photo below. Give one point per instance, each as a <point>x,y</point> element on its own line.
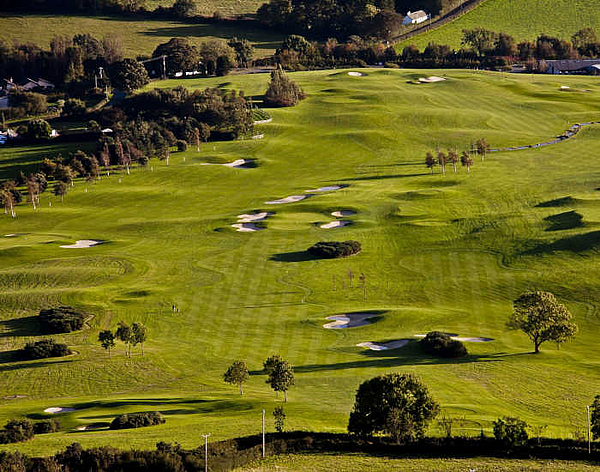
<point>522,19</point>
<point>439,252</point>
<point>140,36</point>
<point>353,462</point>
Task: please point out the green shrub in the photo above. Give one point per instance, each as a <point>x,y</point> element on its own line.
<point>62,319</point>
<point>334,249</point>
<point>16,431</point>
<point>511,432</point>
<point>46,426</point>
<point>42,350</point>
<point>137,420</point>
<point>442,345</point>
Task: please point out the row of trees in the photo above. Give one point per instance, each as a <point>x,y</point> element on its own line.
<point>130,335</point>
<point>452,157</point>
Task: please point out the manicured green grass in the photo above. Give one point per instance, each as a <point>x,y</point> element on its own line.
<point>353,462</point>
<point>208,7</point>
<point>439,252</point>
<point>524,19</point>
<point>140,36</point>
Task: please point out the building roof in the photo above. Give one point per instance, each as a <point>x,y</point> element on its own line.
<point>415,15</point>
<point>572,64</point>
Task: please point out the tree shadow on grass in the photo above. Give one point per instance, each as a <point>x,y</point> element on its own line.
<point>382,177</point>
<point>7,357</point>
<point>296,256</point>
<point>578,243</point>
<point>27,326</point>
<point>566,220</point>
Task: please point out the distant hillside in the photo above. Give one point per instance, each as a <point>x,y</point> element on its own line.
<point>208,7</point>
<point>524,19</point>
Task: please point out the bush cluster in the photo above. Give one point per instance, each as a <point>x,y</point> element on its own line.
<point>137,420</point>
<point>16,431</point>
<point>42,350</point>
<point>46,426</point>
<point>442,345</point>
<point>334,249</point>
<point>62,319</point>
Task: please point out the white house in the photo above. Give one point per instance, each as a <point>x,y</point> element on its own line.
<point>416,17</point>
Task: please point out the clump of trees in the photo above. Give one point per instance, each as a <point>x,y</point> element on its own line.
<point>46,426</point>
<point>17,431</point>
<point>399,405</point>
<point>442,345</point>
<point>282,91</point>
<point>42,350</point>
<point>334,249</point>
<point>542,318</point>
<point>62,319</point>
<point>511,432</point>
<point>137,420</point>
<point>130,335</point>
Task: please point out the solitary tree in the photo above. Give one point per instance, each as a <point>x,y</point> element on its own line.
<point>595,419</point>
<point>430,161</point>
<point>107,340</point>
<point>282,91</point>
<point>466,160</point>
<point>60,189</point>
<point>397,404</point>
<point>281,378</point>
<point>541,317</point>
<point>236,374</point>
<point>139,334</point>
<point>124,334</point>
<point>482,148</point>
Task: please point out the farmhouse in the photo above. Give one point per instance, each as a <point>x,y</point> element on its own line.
<point>414,18</point>
<point>574,66</point>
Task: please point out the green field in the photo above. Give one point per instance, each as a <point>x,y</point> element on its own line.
<point>140,36</point>
<point>524,19</point>
<point>353,462</point>
<point>208,7</point>
<point>439,252</point>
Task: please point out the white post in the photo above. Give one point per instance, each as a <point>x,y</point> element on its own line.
<point>205,436</point>
<point>589,430</point>
<point>263,433</point>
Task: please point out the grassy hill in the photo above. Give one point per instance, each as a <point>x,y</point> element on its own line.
<point>208,7</point>
<point>140,36</point>
<point>439,252</point>
<point>524,19</point>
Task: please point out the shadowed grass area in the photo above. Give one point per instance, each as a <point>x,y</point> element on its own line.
<point>563,221</point>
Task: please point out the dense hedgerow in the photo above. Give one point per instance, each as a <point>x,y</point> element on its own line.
<point>137,420</point>
<point>42,350</point>
<point>334,249</point>
<point>62,319</point>
<point>442,345</point>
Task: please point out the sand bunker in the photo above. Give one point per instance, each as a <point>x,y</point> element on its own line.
<point>342,213</point>
<point>430,79</point>
<point>290,199</point>
<point>92,427</point>
<point>247,227</point>
<point>329,188</point>
<point>349,320</point>
<point>58,409</point>
<point>335,224</point>
<point>356,74</point>
<point>395,344</point>
<point>250,217</point>
<point>464,339</point>
<point>239,163</point>
<point>83,243</point>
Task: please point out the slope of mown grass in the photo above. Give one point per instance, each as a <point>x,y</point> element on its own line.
<point>439,252</point>
<point>208,7</point>
<point>140,35</point>
<point>523,19</point>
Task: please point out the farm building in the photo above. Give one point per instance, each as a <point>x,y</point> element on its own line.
<point>574,66</point>
<point>414,18</point>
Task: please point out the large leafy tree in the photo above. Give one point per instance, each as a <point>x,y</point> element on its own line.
<point>106,339</point>
<point>396,404</point>
<point>181,55</point>
<point>541,317</point>
<point>481,40</point>
<point>236,374</point>
<point>139,334</point>
<point>281,377</point>
<point>128,75</point>
<point>39,130</point>
<point>282,91</point>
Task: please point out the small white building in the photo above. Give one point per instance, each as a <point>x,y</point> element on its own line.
<point>416,17</point>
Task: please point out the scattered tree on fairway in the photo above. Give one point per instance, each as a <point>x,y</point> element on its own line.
<point>33,190</point>
<point>107,339</point>
<point>124,334</point>
<point>281,377</point>
<point>541,317</point>
<point>60,189</point>
<point>236,374</point>
<point>442,159</point>
<point>270,363</point>
<point>430,161</point>
<point>595,417</point>
<point>139,334</point>
<point>453,158</point>
<point>482,147</point>
<point>466,160</point>
<point>396,404</point>
<point>279,416</point>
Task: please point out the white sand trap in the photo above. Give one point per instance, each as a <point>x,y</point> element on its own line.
<point>290,199</point>
<point>91,427</point>
<point>329,188</point>
<point>250,217</point>
<point>564,87</point>
<point>12,235</point>
<point>335,224</point>
<point>58,409</point>
<point>397,344</point>
<point>236,163</point>
<point>356,74</point>
<point>350,320</point>
<point>342,213</point>
<point>431,79</point>
<point>83,243</point>
<point>464,339</point>
<point>247,227</point>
